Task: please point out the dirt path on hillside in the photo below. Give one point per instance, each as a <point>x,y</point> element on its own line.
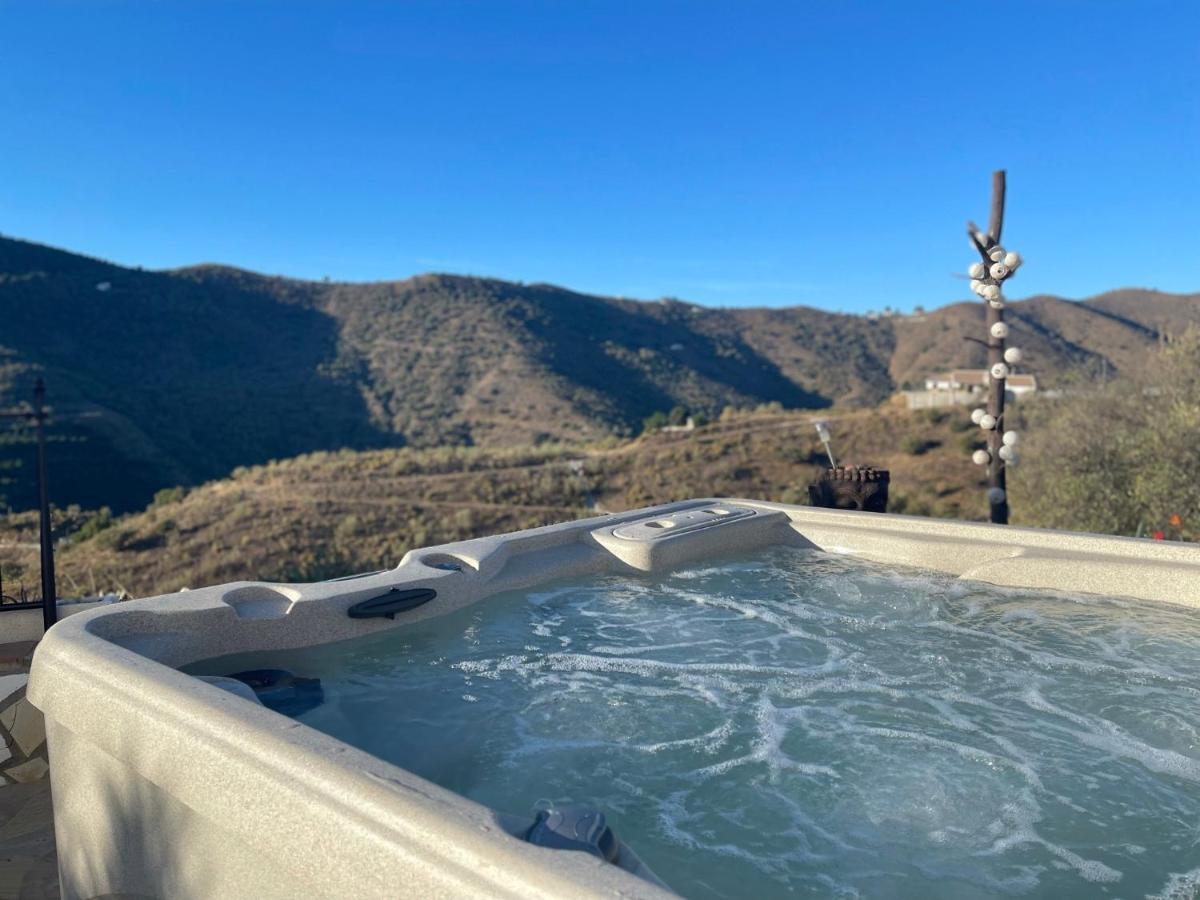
<point>706,435</point>
<point>422,502</point>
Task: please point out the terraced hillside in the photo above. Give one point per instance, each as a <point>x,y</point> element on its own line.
<point>328,514</point>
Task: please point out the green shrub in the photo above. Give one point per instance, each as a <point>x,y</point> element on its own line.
<point>1120,459</point>
<point>114,538</point>
<point>655,421</point>
<point>962,422</point>
<point>903,504</point>
<point>794,495</point>
<point>96,523</point>
<point>937,416</point>
<point>915,445</point>
<point>168,495</point>
<point>971,441</point>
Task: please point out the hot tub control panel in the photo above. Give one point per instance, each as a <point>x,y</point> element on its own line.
<point>682,522</point>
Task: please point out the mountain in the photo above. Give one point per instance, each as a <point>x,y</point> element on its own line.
<point>173,377</point>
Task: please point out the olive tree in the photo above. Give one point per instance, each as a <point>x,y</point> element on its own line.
<point>1120,458</point>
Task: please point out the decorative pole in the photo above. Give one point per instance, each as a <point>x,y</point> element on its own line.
<point>987,279</point>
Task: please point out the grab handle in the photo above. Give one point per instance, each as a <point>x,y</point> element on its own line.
<point>394,601</point>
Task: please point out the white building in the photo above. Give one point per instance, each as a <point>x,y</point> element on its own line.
<point>962,387</point>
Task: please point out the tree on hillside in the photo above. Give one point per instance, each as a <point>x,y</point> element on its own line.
<point>655,421</point>
<point>1121,458</point>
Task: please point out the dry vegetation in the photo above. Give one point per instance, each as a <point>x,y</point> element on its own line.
<point>1121,457</point>
<point>324,515</point>
<point>1116,459</point>
<point>166,378</point>
<point>477,406</point>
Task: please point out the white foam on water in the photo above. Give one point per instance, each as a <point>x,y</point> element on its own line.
<point>1020,818</point>
<point>1106,736</point>
<point>808,724</point>
<point>1179,886</point>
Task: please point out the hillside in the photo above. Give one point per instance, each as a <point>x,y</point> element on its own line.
<point>325,515</point>
<point>177,377</point>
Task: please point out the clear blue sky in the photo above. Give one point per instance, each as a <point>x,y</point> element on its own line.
<point>824,153</point>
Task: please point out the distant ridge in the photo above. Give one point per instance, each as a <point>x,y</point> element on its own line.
<point>176,377</point>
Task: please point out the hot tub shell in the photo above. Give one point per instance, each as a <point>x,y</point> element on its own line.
<point>167,786</point>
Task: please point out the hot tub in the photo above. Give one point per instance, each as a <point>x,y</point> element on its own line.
<point>169,785</point>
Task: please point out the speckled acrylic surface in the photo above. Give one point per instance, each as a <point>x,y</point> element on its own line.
<point>167,786</point>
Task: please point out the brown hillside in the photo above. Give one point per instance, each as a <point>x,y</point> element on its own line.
<point>163,378</point>
<point>330,514</point>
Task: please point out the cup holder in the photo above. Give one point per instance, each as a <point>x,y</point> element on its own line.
<point>447,562</point>
<point>261,602</point>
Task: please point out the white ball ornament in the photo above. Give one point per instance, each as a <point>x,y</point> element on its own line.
<point>1013,260</point>
<point>1013,355</point>
<point>999,330</point>
<point>991,292</point>
<point>1006,452</point>
<point>995,496</point>
<point>996,253</point>
<point>976,270</point>
<point>977,287</point>
<point>999,371</point>
<point>1010,438</point>
<point>981,457</point>
<point>999,271</point>
<point>998,303</point>
<point>978,413</point>
<point>987,421</point>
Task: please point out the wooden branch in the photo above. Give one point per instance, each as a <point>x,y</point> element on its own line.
<point>996,221</point>
<point>973,233</point>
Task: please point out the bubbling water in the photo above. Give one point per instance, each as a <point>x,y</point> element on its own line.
<point>806,724</point>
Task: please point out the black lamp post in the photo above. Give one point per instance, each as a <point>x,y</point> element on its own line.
<point>38,415</point>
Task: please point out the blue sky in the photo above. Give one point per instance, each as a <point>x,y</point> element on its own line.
<point>725,153</point>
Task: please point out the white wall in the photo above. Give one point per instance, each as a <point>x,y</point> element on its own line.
<point>26,624</point>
